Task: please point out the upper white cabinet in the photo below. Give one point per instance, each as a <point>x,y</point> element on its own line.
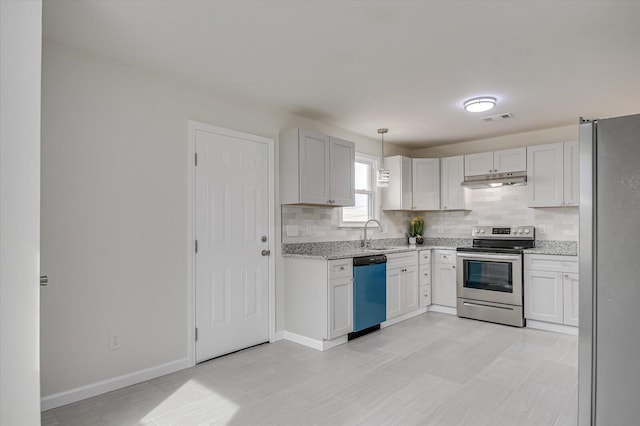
<point>414,184</point>
<point>316,169</point>
<point>571,161</point>
<point>426,183</point>
<point>452,175</point>
<point>506,160</point>
<point>553,175</point>
<point>399,194</point>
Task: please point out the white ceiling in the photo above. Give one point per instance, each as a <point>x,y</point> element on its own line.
<point>361,65</point>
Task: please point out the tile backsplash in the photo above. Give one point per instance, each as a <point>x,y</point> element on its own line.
<point>493,206</point>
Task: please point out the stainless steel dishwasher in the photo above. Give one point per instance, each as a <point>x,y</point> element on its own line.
<point>369,293</point>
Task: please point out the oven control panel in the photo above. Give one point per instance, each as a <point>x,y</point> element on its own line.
<point>504,232</point>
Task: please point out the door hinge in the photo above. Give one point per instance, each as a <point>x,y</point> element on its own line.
<point>196,334</point>
<point>196,162</point>
<point>196,246</point>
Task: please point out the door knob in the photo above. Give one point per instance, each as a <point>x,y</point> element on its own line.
<point>266,252</point>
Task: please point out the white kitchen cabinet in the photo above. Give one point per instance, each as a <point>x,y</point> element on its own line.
<point>399,194</point>
<point>570,302</point>
<point>571,161</point>
<point>414,184</point>
<point>506,160</point>
<point>551,289</point>
<point>426,183</point>
<point>402,284</point>
<point>340,307</point>
<point>316,169</point>
<point>319,296</point>
<point>444,280</point>
<point>424,272</point>
<point>543,296</point>
<point>452,175</point>
<point>553,178</point>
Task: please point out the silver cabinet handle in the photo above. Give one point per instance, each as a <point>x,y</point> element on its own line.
<point>266,252</point>
<point>44,280</point>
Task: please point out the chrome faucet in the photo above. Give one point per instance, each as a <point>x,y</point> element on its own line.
<point>367,243</point>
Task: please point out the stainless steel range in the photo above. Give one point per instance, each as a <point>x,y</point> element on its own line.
<point>489,274</point>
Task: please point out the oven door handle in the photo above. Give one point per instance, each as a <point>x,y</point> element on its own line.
<point>489,256</point>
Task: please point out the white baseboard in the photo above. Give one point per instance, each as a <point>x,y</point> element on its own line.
<point>443,309</point>
<point>401,318</point>
<point>548,326</point>
<point>67,397</point>
<point>319,345</point>
<point>278,336</point>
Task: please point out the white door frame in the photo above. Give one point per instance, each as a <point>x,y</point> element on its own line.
<point>194,126</point>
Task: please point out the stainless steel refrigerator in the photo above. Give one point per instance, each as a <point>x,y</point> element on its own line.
<point>609,339</point>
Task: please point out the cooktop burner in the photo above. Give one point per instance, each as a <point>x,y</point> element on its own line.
<point>501,239</point>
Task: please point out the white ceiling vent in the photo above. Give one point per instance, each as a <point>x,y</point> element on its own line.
<point>498,117</point>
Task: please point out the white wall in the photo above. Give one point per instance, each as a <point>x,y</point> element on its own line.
<point>537,137</point>
<point>114,212</point>
<point>20,50</point>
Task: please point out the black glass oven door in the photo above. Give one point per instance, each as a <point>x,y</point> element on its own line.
<point>488,275</point>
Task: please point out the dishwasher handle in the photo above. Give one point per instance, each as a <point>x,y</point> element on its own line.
<point>369,260</point>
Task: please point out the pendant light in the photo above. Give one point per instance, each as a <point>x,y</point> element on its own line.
<point>382,174</point>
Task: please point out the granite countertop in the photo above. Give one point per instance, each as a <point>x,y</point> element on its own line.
<point>344,249</point>
<point>558,248</point>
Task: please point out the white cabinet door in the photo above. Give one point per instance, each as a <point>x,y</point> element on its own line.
<point>444,285</point>
<point>452,173</point>
<point>570,286</point>
<point>340,307</point>
<point>394,293</point>
<point>425,295</point>
<point>398,195</point>
<point>426,183</point>
<point>571,174</point>
<point>342,174</point>
<point>478,164</point>
<point>510,160</point>
<point>543,299</point>
<point>410,283</point>
<point>407,183</point>
<point>314,167</point>
<point>545,175</point>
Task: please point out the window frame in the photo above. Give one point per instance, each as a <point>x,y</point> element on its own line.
<point>372,161</point>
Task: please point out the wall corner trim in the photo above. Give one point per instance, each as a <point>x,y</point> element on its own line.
<point>108,385</point>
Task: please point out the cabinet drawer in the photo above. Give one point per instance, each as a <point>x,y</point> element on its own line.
<point>340,268</point>
<point>425,257</point>
<point>425,295</point>
<point>425,275</point>
<point>445,256</point>
<point>551,263</point>
<point>400,260</point>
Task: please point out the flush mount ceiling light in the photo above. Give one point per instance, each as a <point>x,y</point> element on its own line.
<point>382,174</point>
<point>481,104</point>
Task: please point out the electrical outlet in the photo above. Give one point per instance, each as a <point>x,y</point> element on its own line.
<point>542,229</point>
<point>114,342</point>
<point>440,229</point>
<point>292,230</point>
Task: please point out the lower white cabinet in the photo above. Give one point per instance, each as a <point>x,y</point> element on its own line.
<point>340,307</point>
<point>424,271</point>
<point>319,297</point>
<point>551,292</point>
<point>402,284</point>
<point>444,281</point>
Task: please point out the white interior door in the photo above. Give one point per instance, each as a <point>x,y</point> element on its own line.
<point>232,230</point>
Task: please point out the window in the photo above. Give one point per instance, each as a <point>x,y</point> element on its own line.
<point>365,194</point>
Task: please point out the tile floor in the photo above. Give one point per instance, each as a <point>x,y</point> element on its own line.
<point>434,369</point>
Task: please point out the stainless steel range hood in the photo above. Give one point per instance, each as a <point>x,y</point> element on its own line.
<point>495,180</point>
